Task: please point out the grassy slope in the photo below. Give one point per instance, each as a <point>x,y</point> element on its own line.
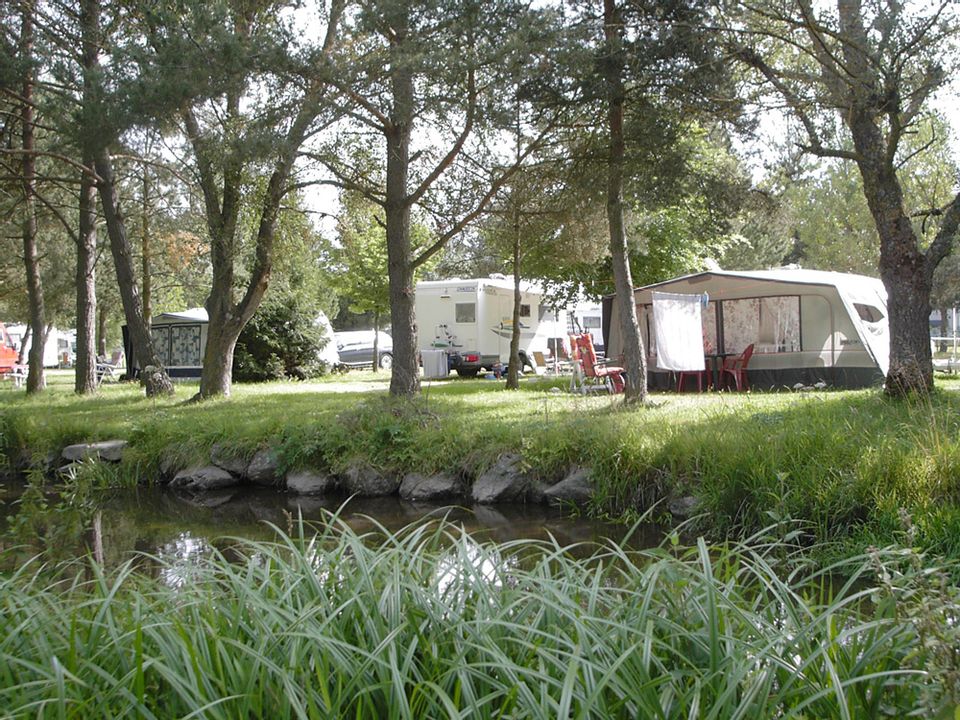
<point>846,462</point>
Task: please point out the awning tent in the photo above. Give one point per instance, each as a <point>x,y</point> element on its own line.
<point>180,339</point>
<point>807,326</point>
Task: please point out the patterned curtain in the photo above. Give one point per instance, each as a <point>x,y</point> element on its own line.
<point>185,346</point>
<point>161,341</point>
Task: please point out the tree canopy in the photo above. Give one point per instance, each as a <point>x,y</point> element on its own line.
<point>593,146</point>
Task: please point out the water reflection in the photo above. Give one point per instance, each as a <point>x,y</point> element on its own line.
<point>179,558</point>
<point>178,530</point>
<point>469,571</point>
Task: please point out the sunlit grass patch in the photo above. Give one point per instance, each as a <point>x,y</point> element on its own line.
<point>844,462</point>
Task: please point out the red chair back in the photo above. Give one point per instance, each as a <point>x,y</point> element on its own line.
<point>739,362</point>
<point>588,355</point>
<point>744,358</point>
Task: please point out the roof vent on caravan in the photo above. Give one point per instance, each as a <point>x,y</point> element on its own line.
<point>497,276</point>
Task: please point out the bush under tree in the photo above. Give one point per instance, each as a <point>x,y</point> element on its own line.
<point>282,340</point>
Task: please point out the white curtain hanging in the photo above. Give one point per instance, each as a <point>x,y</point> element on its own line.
<point>679,333</point>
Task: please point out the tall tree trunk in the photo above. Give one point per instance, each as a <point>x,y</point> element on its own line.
<point>513,369</point>
<point>217,376</point>
<point>907,273</point>
<point>85,365</point>
<point>376,340</point>
<point>908,284</point>
<point>145,247</point>
<point>86,362</point>
<point>22,355</point>
<point>227,318</point>
<point>35,378</point>
<point>405,378</point>
<point>156,381</point>
<point>102,332</point>
<point>634,358</point>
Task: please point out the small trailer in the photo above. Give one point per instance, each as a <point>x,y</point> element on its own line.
<point>472,321</point>
<point>58,344</point>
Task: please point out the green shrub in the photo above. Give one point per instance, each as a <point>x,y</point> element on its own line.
<point>282,340</point>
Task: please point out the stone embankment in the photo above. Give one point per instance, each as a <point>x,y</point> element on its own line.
<point>509,480</point>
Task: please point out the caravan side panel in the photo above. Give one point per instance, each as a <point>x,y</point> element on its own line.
<point>446,317</point>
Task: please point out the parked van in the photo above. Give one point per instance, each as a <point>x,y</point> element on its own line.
<point>356,348</point>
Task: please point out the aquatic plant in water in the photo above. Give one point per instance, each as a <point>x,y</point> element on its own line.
<point>427,622</point>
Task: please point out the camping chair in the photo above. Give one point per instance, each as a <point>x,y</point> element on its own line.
<point>609,376</point>
<point>539,362</point>
<point>107,370</point>
<point>736,367</point>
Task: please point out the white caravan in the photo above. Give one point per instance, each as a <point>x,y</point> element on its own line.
<point>806,326</point>
<point>60,349</point>
<point>472,321</point>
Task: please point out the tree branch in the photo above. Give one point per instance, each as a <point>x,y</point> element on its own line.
<point>481,205</point>
<point>943,243</point>
<point>457,145</point>
<point>56,156</point>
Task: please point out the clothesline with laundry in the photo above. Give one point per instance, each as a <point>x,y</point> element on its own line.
<point>678,330</point>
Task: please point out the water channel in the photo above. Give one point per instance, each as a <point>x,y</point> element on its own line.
<point>181,529</point>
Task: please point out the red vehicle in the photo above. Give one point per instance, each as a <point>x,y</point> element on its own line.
<point>8,353</point>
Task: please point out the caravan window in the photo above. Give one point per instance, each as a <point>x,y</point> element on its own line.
<point>771,324</point>
<point>869,313</point>
<point>525,310</point>
<point>466,312</point>
<point>741,324</point>
<point>779,324</point>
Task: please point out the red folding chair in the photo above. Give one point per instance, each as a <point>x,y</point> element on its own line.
<point>610,376</point>
<point>736,368</point>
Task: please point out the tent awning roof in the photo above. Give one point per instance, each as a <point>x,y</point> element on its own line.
<point>191,315</point>
<point>785,275</point>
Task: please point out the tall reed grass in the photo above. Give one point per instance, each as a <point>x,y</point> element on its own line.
<point>428,623</point>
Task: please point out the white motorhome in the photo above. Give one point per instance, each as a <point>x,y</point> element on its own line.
<point>472,320</point>
<point>60,348</point>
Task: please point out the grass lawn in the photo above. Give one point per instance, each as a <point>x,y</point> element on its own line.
<point>850,465</point>
<point>429,623</point>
